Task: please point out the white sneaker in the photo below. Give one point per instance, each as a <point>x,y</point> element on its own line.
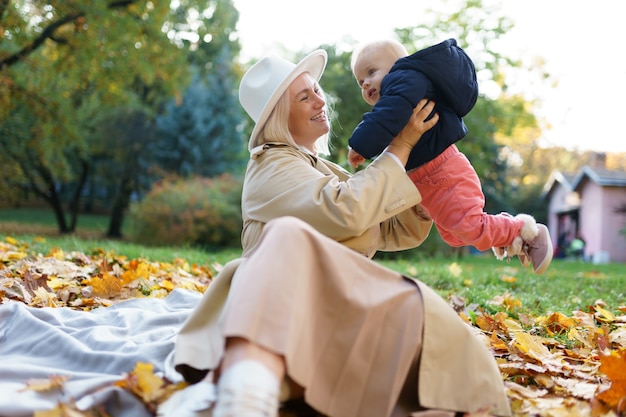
<point>247,389</point>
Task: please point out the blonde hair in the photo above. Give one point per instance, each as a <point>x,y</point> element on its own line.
<point>394,48</point>
<point>276,128</point>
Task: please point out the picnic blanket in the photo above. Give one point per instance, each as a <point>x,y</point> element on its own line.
<point>92,348</point>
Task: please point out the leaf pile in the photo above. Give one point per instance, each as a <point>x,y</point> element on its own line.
<point>553,365</point>
<point>558,365</point>
<point>81,282</point>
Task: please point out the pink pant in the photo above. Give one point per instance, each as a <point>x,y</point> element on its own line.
<point>453,197</point>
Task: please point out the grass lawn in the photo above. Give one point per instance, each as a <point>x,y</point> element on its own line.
<point>478,279</point>
<point>44,221</point>
<point>566,286</point>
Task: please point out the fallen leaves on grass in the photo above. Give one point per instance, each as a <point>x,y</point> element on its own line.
<point>554,365</point>
<point>557,365</point>
<point>82,282</point>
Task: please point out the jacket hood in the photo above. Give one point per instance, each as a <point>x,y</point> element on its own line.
<point>450,70</point>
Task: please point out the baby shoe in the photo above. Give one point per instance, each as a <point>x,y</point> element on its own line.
<point>539,249</point>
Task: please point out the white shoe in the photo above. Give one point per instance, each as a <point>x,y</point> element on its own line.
<point>247,389</point>
<point>196,400</point>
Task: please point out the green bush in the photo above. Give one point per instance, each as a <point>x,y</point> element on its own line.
<point>199,212</point>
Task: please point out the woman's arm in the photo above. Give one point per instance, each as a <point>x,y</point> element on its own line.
<point>284,181</point>
<point>408,137</point>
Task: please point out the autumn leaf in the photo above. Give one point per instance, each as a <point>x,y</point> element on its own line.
<point>604,315</point>
<point>531,346</point>
<point>613,365</point>
<point>558,323</point>
<point>52,383</point>
<point>149,387</point>
<point>69,410</point>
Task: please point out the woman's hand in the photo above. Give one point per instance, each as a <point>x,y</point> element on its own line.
<point>402,144</point>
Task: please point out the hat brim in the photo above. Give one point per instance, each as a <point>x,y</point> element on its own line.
<point>314,63</point>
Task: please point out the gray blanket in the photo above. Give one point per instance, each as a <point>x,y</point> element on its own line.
<point>92,348</point>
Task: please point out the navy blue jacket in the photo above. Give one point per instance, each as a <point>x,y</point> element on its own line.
<point>443,73</point>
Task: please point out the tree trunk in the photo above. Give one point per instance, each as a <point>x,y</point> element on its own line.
<point>53,199</point>
<point>120,205</point>
<point>75,202</point>
<point>50,195</point>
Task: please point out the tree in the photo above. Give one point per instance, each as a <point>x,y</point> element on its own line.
<point>64,63</point>
<point>203,134</point>
<point>122,163</point>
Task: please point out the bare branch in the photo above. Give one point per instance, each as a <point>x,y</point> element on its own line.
<point>48,33</point>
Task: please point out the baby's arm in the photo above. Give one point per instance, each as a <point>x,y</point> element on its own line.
<point>354,158</point>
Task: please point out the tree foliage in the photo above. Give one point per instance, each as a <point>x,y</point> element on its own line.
<point>65,64</point>
<point>202,134</point>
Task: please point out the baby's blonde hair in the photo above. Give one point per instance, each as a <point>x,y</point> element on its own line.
<point>391,46</point>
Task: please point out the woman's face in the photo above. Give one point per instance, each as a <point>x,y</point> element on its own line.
<point>307,111</point>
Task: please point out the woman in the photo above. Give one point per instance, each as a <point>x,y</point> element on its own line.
<point>306,307</point>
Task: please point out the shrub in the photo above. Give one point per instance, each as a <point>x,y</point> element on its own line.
<point>201,212</point>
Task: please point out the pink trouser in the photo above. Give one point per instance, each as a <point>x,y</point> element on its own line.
<point>453,197</point>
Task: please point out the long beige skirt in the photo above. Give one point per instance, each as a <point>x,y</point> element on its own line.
<point>350,330</point>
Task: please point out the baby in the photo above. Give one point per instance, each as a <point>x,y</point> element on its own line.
<point>393,82</point>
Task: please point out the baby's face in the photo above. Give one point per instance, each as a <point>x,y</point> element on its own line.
<point>369,70</point>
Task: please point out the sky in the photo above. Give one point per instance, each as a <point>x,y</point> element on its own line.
<point>581,43</point>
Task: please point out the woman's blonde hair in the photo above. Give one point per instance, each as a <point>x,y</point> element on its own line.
<point>276,128</point>
<point>394,48</point>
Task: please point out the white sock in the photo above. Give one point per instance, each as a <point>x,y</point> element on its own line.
<point>247,389</point>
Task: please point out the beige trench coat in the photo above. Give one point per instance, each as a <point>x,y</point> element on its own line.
<point>374,209</point>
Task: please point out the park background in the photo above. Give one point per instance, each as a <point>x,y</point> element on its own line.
<point>122,139</point>
<point>130,110</point>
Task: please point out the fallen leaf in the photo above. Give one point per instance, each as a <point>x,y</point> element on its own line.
<point>613,365</point>
<point>52,383</point>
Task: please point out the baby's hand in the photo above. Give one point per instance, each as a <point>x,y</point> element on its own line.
<point>354,158</point>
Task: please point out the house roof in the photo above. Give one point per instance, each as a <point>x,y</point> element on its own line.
<point>557,178</point>
<point>602,177</point>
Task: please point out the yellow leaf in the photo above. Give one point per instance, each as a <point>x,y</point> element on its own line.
<point>558,322</point>
<point>603,314</point>
<point>63,410</point>
<point>49,384</point>
<point>455,270</point>
<point>167,284</point>
<point>12,240</point>
<point>531,346</point>
<point>508,278</point>
<point>15,256</point>
<point>44,298</point>
<point>144,383</point>
<point>512,326</point>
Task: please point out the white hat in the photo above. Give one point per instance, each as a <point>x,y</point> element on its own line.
<point>266,81</point>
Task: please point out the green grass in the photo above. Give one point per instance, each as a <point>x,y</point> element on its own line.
<point>44,244</point>
<point>46,218</point>
<point>565,287</point>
